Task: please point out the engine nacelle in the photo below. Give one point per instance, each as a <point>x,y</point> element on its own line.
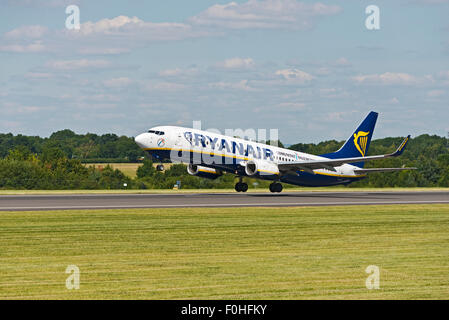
<point>203,172</point>
<point>262,169</point>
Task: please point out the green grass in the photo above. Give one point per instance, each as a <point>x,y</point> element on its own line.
<point>293,189</point>
<point>227,253</point>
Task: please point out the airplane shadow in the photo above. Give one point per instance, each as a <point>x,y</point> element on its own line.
<point>366,196</point>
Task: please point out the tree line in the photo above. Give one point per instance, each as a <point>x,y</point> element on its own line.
<point>56,162</point>
<point>88,147</point>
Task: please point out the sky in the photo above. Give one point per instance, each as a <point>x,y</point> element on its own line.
<point>310,69</point>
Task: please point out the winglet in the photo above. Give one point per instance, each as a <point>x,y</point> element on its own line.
<point>401,147</point>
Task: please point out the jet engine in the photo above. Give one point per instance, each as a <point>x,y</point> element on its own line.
<point>262,169</point>
<point>203,172</point>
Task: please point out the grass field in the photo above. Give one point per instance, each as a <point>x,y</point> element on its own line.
<point>128,169</point>
<point>255,253</point>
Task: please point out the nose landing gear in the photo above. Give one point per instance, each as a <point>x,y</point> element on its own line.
<point>275,187</point>
<point>160,166</point>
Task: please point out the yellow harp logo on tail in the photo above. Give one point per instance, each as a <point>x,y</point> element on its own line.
<point>360,141</point>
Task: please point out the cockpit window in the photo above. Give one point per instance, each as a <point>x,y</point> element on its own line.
<point>159,133</point>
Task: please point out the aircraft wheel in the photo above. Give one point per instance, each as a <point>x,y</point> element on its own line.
<point>160,167</point>
<point>278,187</point>
<point>238,187</point>
<point>244,187</point>
<point>275,187</point>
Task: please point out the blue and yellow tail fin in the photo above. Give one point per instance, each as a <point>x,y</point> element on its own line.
<point>358,143</point>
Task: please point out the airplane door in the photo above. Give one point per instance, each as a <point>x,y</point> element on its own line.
<point>183,155</point>
<point>178,139</point>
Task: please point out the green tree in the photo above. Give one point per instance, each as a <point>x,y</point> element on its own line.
<point>20,153</point>
<point>146,169</point>
<point>52,155</point>
<point>444,180</point>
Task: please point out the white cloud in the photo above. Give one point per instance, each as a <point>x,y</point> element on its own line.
<point>165,86</point>
<point>68,65</point>
<point>435,93</point>
<point>34,32</point>
<point>443,75</point>
<point>264,14</point>
<point>14,108</point>
<point>388,78</point>
<point>25,39</point>
<point>122,33</point>
<point>98,98</point>
<point>394,100</point>
<point>236,63</point>
<point>292,105</point>
<point>240,85</point>
<point>41,3</point>
<point>109,26</point>
<point>342,62</point>
<point>431,2</point>
<point>133,28</point>
<point>107,36</point>
<point>170,72</point>
<point>117,82</point>
<point>102,51</point>
<point>35,46</point>
<point>295,75</point>
<point>336,116</point>
<point>323,71</point>
<point>178,72</point>
<point>328,91</point>
<point>38,75</point>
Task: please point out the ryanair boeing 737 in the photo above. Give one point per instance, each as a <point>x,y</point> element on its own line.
<point>209,155</point>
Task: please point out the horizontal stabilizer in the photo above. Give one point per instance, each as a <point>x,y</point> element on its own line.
<point>363,171</point>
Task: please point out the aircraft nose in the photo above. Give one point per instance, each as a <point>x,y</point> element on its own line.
<point>141,140</point>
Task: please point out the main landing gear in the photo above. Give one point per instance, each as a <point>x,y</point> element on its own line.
<point>160,167</point>
<point>275,187</point>
<point>241,186</point>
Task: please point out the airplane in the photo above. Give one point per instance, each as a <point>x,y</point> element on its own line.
<point>209,155</point>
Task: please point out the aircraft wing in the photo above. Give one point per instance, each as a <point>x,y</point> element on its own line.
<point>330,164</point>
<point>371,170</point>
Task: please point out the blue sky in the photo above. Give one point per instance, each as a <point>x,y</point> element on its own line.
<point>311,69</point>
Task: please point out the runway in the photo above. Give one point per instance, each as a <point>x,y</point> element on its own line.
<point>192,200</point>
